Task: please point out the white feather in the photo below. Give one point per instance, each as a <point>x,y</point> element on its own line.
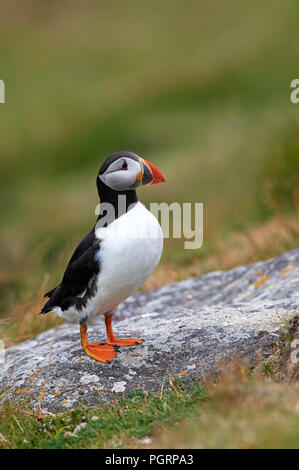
<point>130,250</point>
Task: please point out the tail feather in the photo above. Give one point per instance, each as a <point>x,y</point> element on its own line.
<point>50,292</point>
<point>52,302</point>
<point>45,310</point>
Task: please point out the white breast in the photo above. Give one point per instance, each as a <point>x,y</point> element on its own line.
<point>131,248</point>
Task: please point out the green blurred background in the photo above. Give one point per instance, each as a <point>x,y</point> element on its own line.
<point>200,88</point>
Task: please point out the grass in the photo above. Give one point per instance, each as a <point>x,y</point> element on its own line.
<point>242,412</point>
<point>243,408</point>
<point>106,425</point>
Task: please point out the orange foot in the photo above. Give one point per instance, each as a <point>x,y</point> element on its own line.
<point>124,342</point>
<point>100,352</point>
<point>117,341</point>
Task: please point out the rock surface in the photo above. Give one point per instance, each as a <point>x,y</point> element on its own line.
<point>187,327</point>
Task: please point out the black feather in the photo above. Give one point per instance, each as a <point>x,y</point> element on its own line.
<point>49,293</point>
<point>80,276</point>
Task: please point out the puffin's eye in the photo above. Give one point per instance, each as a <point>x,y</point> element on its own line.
<point>124,165</point>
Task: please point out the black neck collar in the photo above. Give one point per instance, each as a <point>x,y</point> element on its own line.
<point>109,195</point>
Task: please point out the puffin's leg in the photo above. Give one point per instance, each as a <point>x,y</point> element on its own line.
<point>117,341</point>
<point>98,351</point>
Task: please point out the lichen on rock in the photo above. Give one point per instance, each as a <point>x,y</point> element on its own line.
<point>187,327</point>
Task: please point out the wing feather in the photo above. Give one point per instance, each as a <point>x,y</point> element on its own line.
<point>79,277</point>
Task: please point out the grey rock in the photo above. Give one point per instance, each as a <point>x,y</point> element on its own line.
<point>187,327</point>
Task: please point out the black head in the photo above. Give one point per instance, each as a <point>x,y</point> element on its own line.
<point>126,171</point>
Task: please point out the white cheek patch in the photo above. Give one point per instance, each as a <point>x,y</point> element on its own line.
<point>120,180</point>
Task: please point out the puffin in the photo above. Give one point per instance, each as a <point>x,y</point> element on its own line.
<point>115,258</point>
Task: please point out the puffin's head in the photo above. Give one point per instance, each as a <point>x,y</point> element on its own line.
<point>123,171</point>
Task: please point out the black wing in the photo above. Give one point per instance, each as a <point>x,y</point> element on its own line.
<point>78,282</point>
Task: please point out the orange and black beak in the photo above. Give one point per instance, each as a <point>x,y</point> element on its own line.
<point>150,173</point>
